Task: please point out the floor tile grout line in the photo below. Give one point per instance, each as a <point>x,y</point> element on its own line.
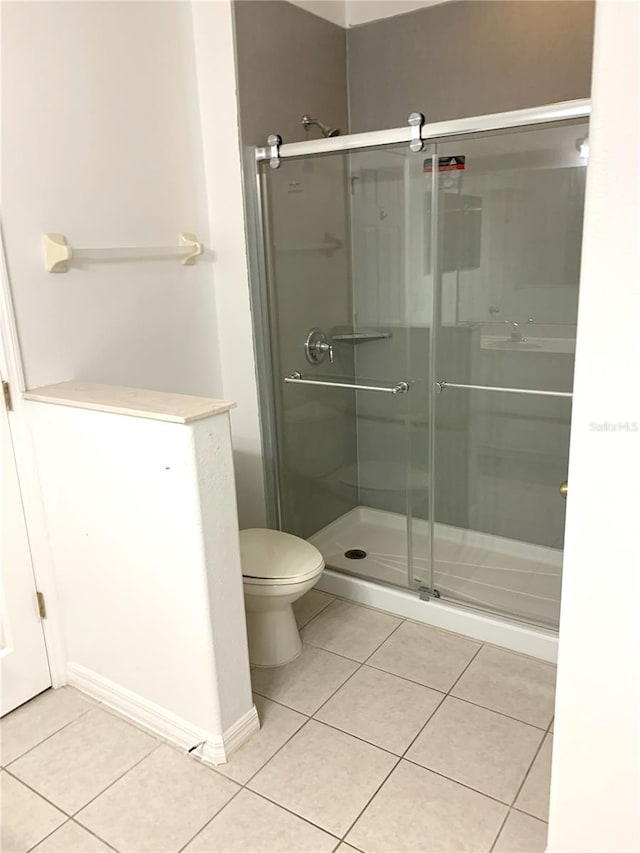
<point>399,759</point>
<point>465,669</point>
<point>410,681</point>
<point>48,835</point>
<point>246,787</point>
<point>347,680</point>
<point>357,737</point>
<point>506,817</point>
<point>271,757</point>
<point>213,817</point>
<point>70,820</point>
<point>362,663</point>
<point>91,832</point>
<point>37,793</point>
<point>520,810</point>
<point>359,666</point>
<point>348,734</point>
<point>295,814</point>
<point>499,833</point>
<point>499,713</point>
<point>351,844</point>
<point>444,696</point>
<point>372,797</point>
<point>53,734</point>
<point>322,609</point>
<point>281,703</point>
<point>75,814</point>
<point>481,645</point>
<point>457,782</point>
<point>460,698</point>
<point>329,651</point>
<point>403,756</point>
<point>401,620</point>
<point>388,637</point>
<point>346,657</point>
<point>526,775</point>
<point>304,713</point>
<point>424,726</point>
<point>449,694</point>
<point>211,767</point>
<point>178,749</point>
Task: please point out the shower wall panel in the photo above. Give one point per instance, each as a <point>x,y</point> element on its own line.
<point>468,57</point>
<point>291,62</point>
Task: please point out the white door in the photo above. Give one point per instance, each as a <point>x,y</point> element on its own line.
<point>24,669</point>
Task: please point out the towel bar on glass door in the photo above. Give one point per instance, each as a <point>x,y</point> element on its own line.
<point>298,379</point>
<point>441,385</point>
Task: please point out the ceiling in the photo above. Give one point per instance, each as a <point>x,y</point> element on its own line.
<point>350,13</point>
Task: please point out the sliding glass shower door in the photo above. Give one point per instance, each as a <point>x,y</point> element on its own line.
<point>422,312</point>
<point>350,383</point>
<point>509,223</point>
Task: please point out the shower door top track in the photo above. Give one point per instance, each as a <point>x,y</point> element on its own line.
<point>563,111</point>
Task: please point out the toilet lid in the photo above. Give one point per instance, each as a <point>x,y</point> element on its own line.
<point>271,554</point>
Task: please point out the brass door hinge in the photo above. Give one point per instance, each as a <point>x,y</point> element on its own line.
<point>6,393</point>
<point>42,607</point>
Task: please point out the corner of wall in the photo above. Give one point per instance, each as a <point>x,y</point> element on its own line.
<point>216,74</point>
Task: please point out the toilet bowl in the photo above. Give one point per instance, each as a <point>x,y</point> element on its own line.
<point>277,569</point>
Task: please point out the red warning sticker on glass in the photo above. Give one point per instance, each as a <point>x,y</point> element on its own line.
<point>445,164</point>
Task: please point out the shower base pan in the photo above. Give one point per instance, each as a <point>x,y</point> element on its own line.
<point>494,589</point>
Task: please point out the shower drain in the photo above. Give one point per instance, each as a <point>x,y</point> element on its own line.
<point>355,554</point>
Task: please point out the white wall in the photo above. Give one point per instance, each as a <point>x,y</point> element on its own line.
<point>215,61</point>
<point>595,788</point>
<point>144,536</point>
<point>101,141</point>
<point>104,141</point>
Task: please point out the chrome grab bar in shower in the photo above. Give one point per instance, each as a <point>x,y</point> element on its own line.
<point>298,379</point>
<point>441,385</point>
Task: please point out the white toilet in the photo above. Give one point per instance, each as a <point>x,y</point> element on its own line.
<point>277,569</point>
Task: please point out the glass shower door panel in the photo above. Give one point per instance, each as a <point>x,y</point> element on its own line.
<point>499,514</point>
<point>389,325</point>
<point>336,248</point>
<point>305,210</point>
<point>509,250</point>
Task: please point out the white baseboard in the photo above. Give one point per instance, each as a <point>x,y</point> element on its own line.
<point>240,731</point>
<point>518,637</point>
<point>215,748</point>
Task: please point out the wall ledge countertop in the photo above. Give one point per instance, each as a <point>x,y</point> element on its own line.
<point>135,402</point>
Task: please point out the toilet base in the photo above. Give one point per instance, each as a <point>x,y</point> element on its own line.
<point>273,636</point>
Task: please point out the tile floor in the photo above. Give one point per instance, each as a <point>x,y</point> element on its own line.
<point>384,735</point>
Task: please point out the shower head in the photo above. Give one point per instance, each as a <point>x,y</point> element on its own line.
<point>307,121</point>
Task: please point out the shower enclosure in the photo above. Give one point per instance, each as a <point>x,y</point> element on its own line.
<point>418,309</point>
